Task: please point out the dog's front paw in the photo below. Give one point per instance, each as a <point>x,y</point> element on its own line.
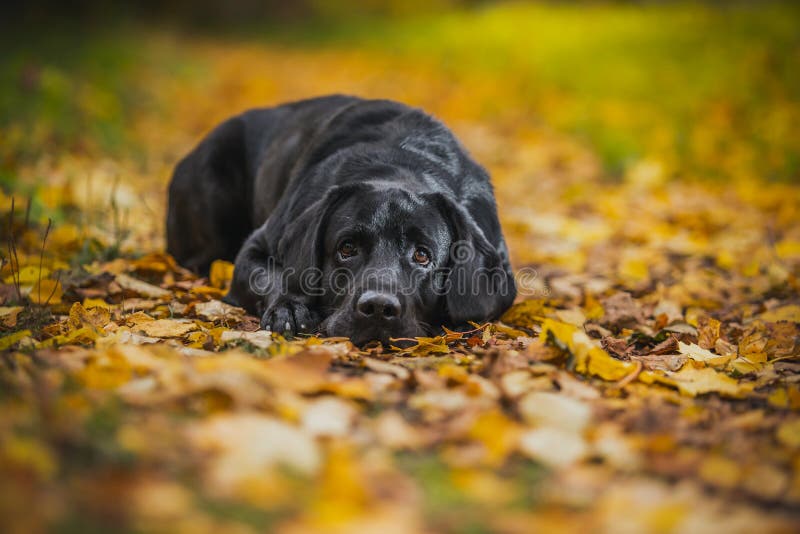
<point>289,317</point>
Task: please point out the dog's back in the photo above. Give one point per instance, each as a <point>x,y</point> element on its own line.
<point>251,164</point>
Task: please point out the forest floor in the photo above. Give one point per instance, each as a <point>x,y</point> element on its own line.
<point>647,380</point>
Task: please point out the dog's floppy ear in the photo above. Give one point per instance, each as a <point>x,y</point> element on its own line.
<point>300,245</point>
<point>480,285</point>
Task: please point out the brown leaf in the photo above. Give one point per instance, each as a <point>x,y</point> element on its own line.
<point>668,346</point>
<point>617,347</point>
<point>95,318</point>
<point>141,288</point>
<point>8,315</point>
<point>621,311</point>
<point>708,332</point>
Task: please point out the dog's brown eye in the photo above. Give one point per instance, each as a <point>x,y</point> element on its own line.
<point>421,256</point>
<point>347,249</point>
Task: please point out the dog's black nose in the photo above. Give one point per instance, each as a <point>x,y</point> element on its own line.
<point>378,306</point>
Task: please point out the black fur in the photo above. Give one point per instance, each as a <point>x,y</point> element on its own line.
<point>279,190</point>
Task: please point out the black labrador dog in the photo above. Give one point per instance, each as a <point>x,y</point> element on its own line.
<point>345,216</point>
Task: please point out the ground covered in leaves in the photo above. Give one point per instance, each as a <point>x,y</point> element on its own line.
<point>648,378</point>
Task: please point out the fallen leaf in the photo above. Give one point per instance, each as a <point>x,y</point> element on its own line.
<point>783,313</point>
<point>221,274</point>
<point>589,358</point>
<point>621,311</point>
<point>708,332</point>
<point>46,292</point>
<point>6,342</point>
<point>166,327</point>
<point>141,288</point>
<point>95,318</point>
<point>692,381</point>
<point>260,338</point>
<point>9,314</point>
<point>216,310</point>
<point>696,353</point>
<point>527,313</point>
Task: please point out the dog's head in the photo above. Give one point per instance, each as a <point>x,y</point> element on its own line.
<point>383,262</point>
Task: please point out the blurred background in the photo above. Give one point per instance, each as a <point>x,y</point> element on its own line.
<point>576,108</point>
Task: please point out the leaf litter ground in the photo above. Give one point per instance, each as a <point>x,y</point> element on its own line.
<point>646,380</point>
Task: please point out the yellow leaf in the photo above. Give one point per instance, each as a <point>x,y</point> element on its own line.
<point>95,318</point>
<point>784,313</point>
<point>512,333</point>
<point>744,366</point>
<point>155,262</point>
<point>28,275</point>
<point>6,342</point>
<point>46,292</point>
<point>527,313</point>
<point>453,372</point>
<point>691,381</point>
<point>85,334</point>
<point>198,340</point>
<point>89,303</point>
<point>589,358</point>
<point>426,346</point>
<point>207,291</point>
<point>137,318</point>
<point>166,327</point>
<point>592,307</point>
<point>221,274</point>
<point>789,433</point>
<point>779,398</point>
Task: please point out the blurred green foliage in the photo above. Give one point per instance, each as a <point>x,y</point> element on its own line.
<point>630,74</point>
<point>711,89</point>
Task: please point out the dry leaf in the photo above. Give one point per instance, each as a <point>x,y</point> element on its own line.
<point>166,327</point>
<point>8,315</point>
<point>216,310</point>
<point>221,274</point>
<point>141,288</point>
<point>692,381</point>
